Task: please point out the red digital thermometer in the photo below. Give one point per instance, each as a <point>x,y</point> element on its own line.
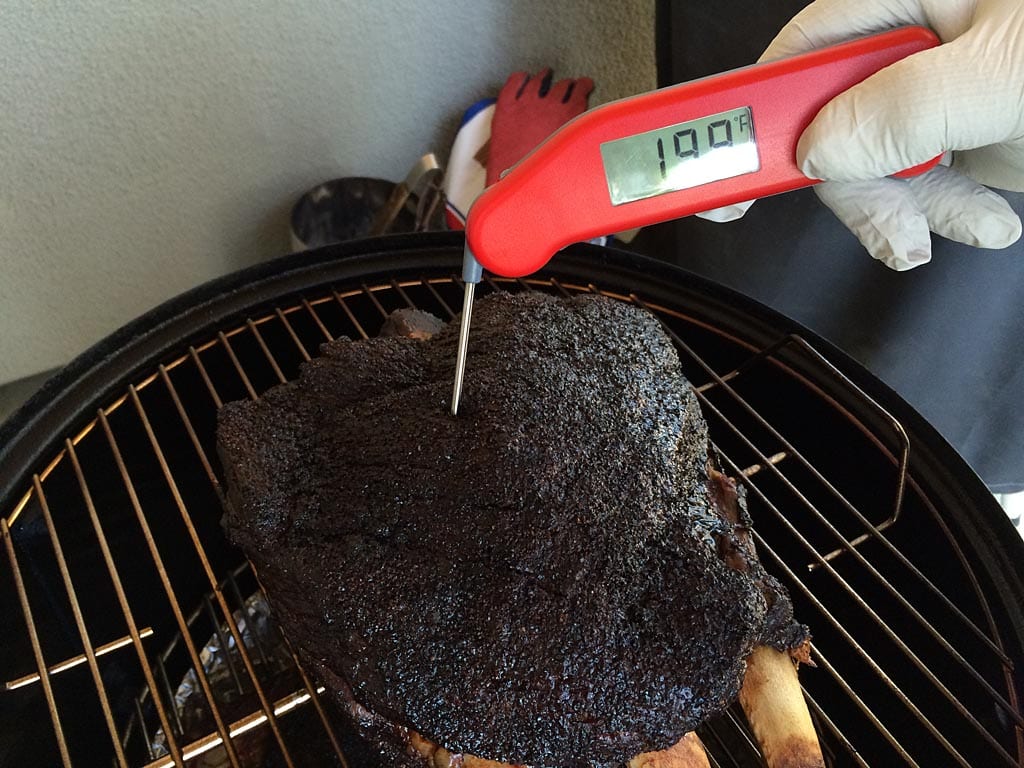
<point>666,154</point>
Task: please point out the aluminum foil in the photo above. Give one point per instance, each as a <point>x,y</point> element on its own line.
<point>232,688</point>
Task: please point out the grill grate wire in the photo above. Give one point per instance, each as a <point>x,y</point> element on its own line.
<point>903,699</point>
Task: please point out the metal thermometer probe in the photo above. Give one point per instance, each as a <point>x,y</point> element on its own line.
<point>662,155</point>
<point>471,274</point>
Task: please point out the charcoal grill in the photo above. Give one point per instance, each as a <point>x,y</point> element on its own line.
<point>117,586</point>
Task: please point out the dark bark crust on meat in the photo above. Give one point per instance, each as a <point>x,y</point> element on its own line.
<point>544,579</point>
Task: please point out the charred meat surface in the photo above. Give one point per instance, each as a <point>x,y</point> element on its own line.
<point>548,578</point>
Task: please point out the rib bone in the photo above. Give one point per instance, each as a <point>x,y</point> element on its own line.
<point>688,752</point>
<point>777,712</point>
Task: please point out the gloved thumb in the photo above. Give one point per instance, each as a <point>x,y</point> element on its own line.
<point>910,112</point>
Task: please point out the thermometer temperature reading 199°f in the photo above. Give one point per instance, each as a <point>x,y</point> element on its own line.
<point>662,155</point>
<point>680,156</point>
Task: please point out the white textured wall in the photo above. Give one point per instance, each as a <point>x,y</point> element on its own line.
<point>149,145</point>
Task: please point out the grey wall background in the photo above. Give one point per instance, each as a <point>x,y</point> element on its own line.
<point>147,146</point>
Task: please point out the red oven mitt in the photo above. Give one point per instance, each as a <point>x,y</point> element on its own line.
<point>529,109</point>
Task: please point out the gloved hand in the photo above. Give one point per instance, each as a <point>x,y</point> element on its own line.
<point>965,96</point>
<point>530,109</point>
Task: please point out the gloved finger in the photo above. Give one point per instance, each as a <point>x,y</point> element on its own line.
<point>727,212</point>
<point>545,83</point>
<point>581,90</point>
<point>884,215</point>
<point>901,116</point>
<point>584,87</point>
<point>569,89</point>
<point>514,84</point>
<point>827,22</point>
<point>961,209</point>
<point>537,85</point>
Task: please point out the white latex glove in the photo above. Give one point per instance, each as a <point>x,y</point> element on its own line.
<point>965,96</point>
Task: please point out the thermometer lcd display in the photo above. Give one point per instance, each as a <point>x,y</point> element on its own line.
<point>680,156</point>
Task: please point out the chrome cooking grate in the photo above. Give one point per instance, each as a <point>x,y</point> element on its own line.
<point>120,581</point>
